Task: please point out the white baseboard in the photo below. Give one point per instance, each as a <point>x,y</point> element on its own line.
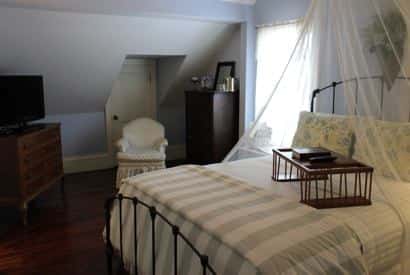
<point>176,152</point>
<point>78,164</point>
<point>88,163</point>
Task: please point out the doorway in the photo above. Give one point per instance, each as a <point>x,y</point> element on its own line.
<point>133,96</point>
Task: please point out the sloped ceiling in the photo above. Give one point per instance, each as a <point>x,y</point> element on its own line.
<point>198,64</point>
<point>81,55</point>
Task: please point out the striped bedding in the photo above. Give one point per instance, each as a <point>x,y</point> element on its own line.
<point>243,229</point>
<point>379,227</point>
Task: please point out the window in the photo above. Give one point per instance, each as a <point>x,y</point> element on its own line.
<point>274,48</point>
<point>278,107</point>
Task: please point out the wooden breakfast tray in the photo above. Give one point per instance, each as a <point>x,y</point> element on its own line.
<point>325,184</point>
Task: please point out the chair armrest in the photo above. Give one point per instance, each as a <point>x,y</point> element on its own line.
<point>161,144</point>
<point>122,145</point>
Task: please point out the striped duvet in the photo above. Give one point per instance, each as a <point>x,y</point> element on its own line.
<point>241,228</point>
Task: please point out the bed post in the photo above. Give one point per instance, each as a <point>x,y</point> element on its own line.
<point>153,214</point>
<point>204,263</point>
<point>334,84</point>
<point>108,246</point>
<point>312,102</point>
<point>135,203</point>
<point>120,200</point>
<point>175,232</point>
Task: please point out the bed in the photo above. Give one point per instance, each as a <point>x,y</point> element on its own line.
<point>378,227</point>
<point>231,218</point>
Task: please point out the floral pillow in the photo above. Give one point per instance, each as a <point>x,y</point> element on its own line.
<point>386,147</point>
<point>332,132</point>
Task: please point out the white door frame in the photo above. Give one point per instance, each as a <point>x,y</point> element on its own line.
<point>108,114</point>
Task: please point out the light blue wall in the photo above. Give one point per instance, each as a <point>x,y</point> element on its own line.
<point>172,116</point>
<point>81,134</point>
<point>249,50</point>
<point>41,39</point>
<point>270,11</point>
<point>171,112</point>
<point>81,54</point>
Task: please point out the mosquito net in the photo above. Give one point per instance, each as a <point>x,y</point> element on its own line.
<point>352,57</point>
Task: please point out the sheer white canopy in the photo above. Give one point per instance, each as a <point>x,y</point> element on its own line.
<point>361,50</point>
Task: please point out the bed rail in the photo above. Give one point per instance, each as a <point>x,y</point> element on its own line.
<point>356,80</point>
<point>155,215</point>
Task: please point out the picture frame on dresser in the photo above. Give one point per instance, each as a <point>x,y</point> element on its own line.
<point>223,70</point>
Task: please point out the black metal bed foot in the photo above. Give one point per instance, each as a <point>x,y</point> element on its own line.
<point>156,217</point>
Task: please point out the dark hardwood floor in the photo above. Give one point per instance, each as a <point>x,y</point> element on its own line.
<point>63,236</point>
<point>60,238</point>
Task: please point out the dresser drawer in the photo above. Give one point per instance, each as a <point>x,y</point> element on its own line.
<point>32,186</point>
<point>31,161</point>
<point>31,142</point>
<point>33,172</point>
<point>42,174</point>
<point>53,168</point>
<point>41,154</point>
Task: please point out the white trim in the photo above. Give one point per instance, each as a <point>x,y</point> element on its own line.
<point>281,23</point>
<point>176,152</point>
<point>242,2</point>
<point>78,164</point>
<point>137,60</point>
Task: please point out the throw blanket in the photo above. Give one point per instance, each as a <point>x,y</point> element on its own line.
<point>259,233</point>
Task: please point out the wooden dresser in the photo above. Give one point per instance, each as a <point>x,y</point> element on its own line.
<point>212,121</point>
<point>30,162</point>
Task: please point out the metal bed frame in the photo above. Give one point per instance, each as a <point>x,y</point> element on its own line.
<point>155,215</point>
<point>356,80</point>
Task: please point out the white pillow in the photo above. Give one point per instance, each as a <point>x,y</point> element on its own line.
<point>385,146</point>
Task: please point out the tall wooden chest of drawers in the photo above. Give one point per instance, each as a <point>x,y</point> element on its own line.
<point>30,162</point>
<point>212,121</point>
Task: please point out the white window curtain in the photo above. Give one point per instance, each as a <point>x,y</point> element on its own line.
<point>287,72</point>
<point>274,47</point>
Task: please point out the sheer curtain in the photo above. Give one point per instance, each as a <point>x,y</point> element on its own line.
<point>367,42</point>
<point>274,47</point>
<point>287,72</point>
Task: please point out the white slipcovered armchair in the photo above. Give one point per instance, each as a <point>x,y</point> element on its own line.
<point>141,148</point>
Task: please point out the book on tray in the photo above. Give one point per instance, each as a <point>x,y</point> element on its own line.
<point>310,152</point>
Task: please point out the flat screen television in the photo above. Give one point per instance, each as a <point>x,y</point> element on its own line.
<point>21,99</point>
